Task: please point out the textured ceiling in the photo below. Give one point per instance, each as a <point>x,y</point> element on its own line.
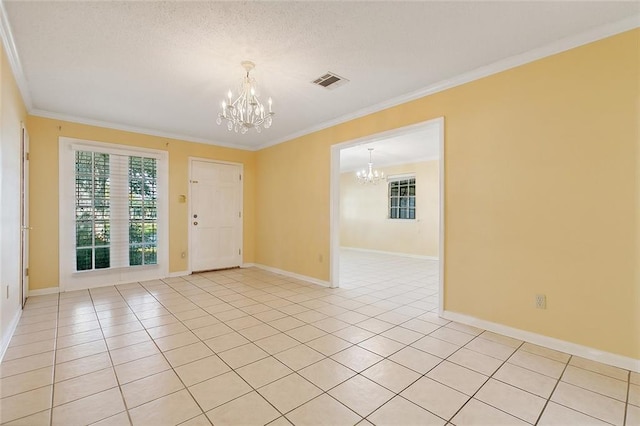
<point>165,66</point>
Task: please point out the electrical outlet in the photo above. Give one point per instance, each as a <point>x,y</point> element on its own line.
<point>541,301</point>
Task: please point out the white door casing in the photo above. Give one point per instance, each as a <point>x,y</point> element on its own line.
<point>24,217</point>
<point>215,215</point>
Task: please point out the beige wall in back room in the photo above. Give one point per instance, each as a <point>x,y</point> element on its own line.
<point>364,213</point>
<point>44,134</point>
<point>541,194</point>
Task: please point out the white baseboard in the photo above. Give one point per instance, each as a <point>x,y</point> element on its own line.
<point>4,344</point>
<point>559,345</point>
<point>44,291</point>
<point>52,290</point>
<point>414,256</point>
<point>290,274</point>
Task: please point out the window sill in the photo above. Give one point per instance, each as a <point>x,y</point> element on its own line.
<point>115,270</point>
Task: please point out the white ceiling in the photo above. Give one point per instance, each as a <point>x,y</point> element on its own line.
<point>164,67</point>
<point>410,147</point>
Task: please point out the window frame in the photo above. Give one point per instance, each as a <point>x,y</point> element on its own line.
<point>69,277</point>
<point>400,178</point>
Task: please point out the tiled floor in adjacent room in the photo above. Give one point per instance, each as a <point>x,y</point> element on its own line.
<point>246,346</point>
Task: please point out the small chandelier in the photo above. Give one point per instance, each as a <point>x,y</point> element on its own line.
<point>246,111</point>
<point>370,175</point>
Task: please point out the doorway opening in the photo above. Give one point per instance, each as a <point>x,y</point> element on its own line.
<point>371,225</point>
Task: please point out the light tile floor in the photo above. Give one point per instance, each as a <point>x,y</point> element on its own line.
<point>245,346</point>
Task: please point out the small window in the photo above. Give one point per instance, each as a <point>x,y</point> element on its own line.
<point>402,198</point>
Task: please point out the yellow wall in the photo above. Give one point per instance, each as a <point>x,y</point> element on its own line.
<point>12,113</point>
<point>364,213</point>
<point>292,197</point>
<point>541,190</point>
<point>44,190</point>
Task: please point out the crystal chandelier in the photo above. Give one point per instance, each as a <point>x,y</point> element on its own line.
<point>370,175</point>
<point>246,111</point>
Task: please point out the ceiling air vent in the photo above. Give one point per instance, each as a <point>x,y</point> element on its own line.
<point>330,81</point>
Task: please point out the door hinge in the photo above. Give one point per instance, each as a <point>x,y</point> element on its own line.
<point>26,156</point>
<point>240,176</point>
<point>26,272</point>
<point>239,214</point>
<point>239,251</point>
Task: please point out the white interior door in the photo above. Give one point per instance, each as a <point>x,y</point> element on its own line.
<point>24,221</point>
<point>216,215</point>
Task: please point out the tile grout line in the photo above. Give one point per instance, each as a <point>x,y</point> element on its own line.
<point>280,331</point>
<point>585,389</point>
<point>626,405</point>
<point>214,352</point>
<point>271,355</point>
<point>481,386</point>
<point>546,403</point>
<point>163,355</point>
<point>113,368</point>
<point>366,349</point>
<point>250,314</point>
<point>296,372</point>
<point>55,358</point>
<point>320,297</point>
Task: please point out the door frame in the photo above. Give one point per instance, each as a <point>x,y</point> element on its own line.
<point>334,202</point>
<point>25,228</point>
<point>190,207</point>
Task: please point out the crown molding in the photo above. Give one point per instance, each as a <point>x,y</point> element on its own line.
<point>133,129</point>
<point>18,73</point>
<point>496,67</point>
<point>550,49</point>
<point>12,55</point>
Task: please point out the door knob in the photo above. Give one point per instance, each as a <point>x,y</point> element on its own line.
<point>195,223</point>
<point>195,216</point>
